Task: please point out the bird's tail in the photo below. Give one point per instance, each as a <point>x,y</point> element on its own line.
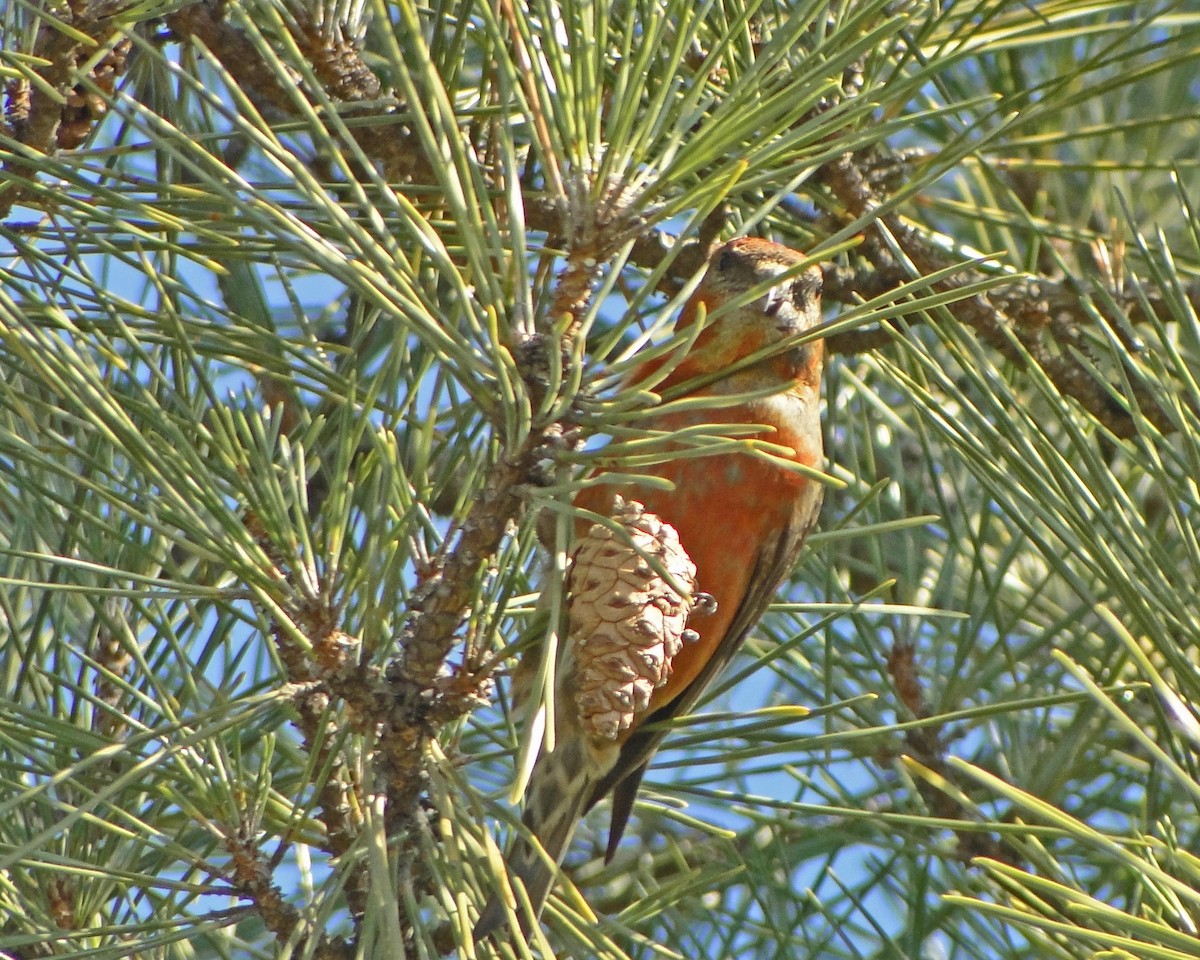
<point>559,794</point>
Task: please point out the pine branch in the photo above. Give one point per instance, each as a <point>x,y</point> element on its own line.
<point>1015,327</point>
<point>57,110</point>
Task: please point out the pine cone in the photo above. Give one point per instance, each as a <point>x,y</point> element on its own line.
<point>626,623</point>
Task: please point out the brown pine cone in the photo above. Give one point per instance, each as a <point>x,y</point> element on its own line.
<point>626,622</point>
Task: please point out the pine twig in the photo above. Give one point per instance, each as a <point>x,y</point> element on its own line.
<point>984,312</point>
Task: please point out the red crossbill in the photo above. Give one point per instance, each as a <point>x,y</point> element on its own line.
<point>741,518</point>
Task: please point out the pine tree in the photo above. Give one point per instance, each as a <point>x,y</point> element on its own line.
<point>313,314</point>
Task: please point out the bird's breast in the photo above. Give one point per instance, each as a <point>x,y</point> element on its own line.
<point>729,509</point>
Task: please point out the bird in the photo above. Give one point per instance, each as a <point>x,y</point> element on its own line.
<point>740,518</point>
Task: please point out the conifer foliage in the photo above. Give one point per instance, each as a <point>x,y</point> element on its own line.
<point>316,314</point>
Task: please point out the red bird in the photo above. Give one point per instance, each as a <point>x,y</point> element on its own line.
<point>740,517</point>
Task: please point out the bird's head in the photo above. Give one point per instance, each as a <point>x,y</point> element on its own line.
<point>752,298</point>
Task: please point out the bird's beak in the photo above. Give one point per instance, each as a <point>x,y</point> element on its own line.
<point>776,299</point>
<point>780,306</point>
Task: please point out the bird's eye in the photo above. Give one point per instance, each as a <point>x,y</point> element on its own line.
<point>725,260</point>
